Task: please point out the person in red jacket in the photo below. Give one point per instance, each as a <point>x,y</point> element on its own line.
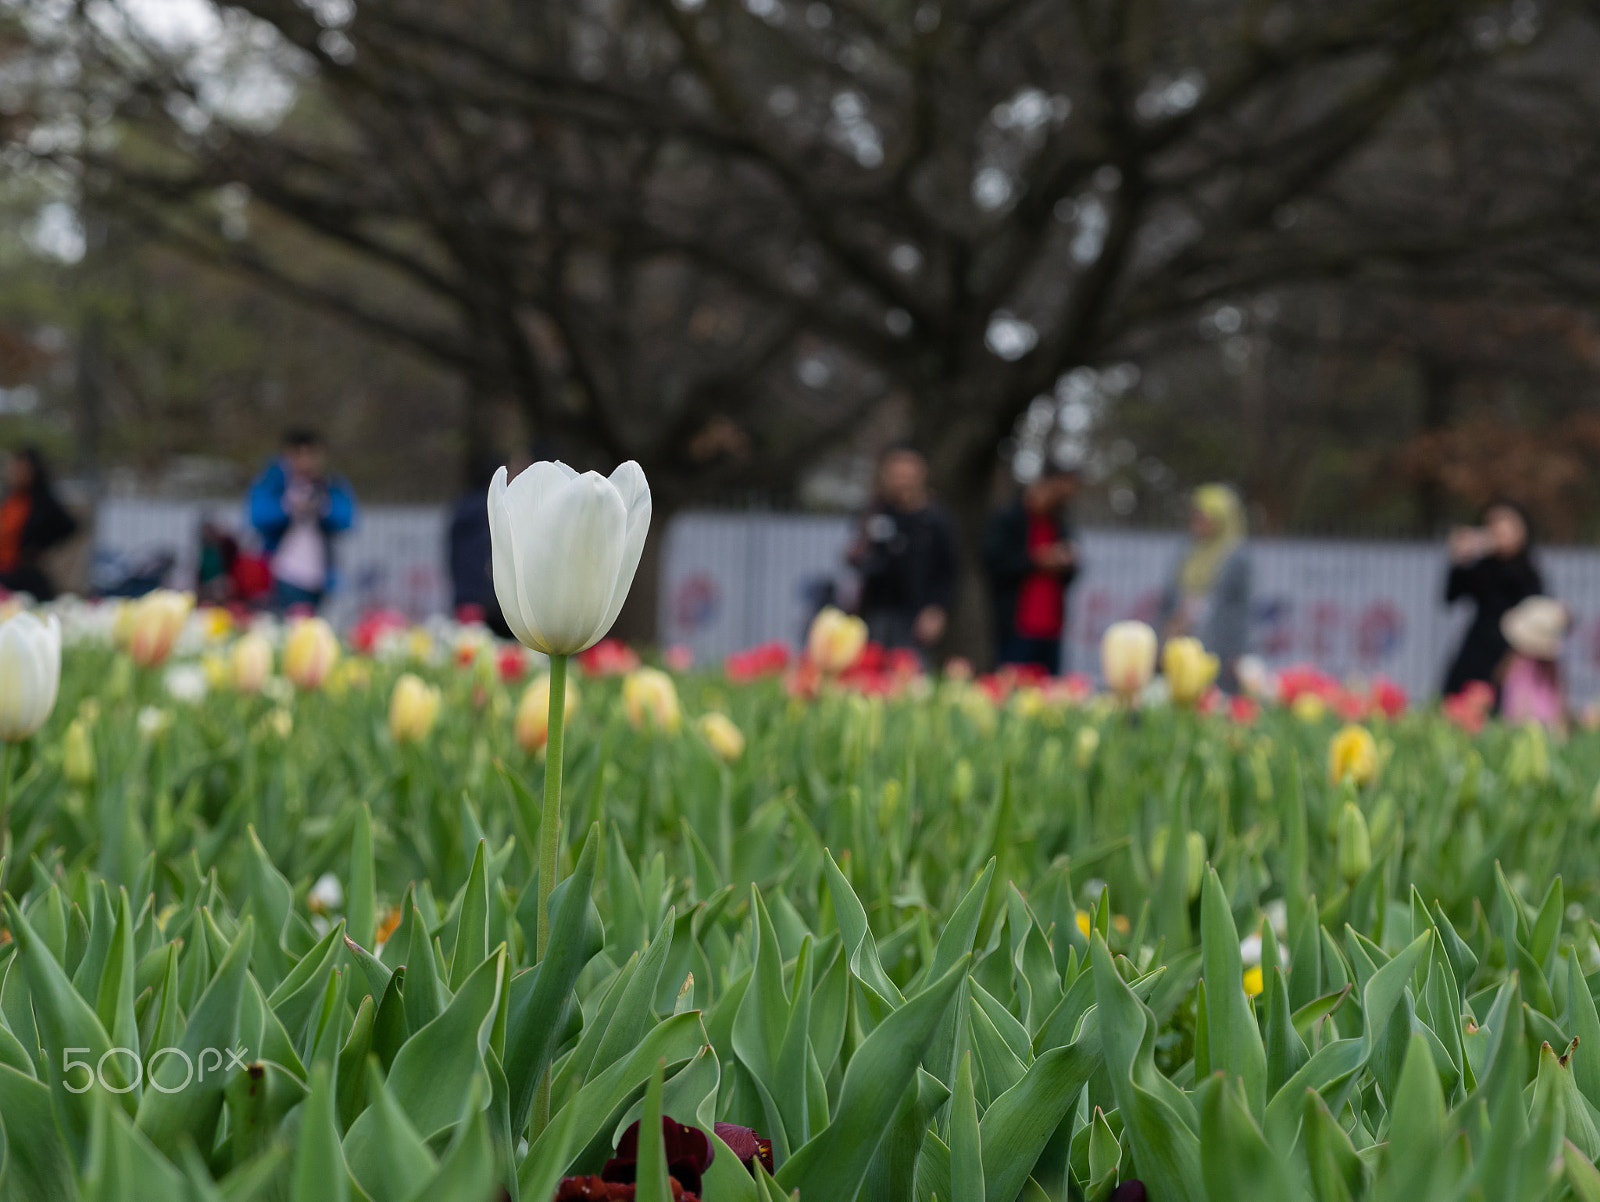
<point>1031,559</point>
<point>32,520</point>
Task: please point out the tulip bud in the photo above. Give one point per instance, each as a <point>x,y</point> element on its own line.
<point>1354,843</point>
<point>649,696</point>
<point>250,662</point>
<point>962,781</point>
<point>413,706</point>
<point>532,723</point>
<point>1128,657</point>
<point>153,721</point>
<point>326,894</point>
<point>154,624</point>
<point>565,550</point>
<point>1529,761</point>
<point>30,673</point>
<point>979,708</point>
<point>280,722</point>
<point>836,639</point>
<point>77,755</point>
<point>1189,669</point>
<point>309,652</point>
<point>186,683</point>
<point>1194,868</point>
<point>1085,745</point>
<point>122,624</point>
<point>724,738</point>
<point>1353,756</point>
<point>1049,762</point>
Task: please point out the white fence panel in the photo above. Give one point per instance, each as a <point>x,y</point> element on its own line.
<point>730,580</point>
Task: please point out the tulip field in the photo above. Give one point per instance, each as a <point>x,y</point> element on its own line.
<point>818,923</point>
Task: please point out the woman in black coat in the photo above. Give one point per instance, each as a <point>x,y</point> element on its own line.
<point>32,521</point>
<point>1493,566</point>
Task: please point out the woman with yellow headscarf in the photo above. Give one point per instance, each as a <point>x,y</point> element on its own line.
<point>1208,595</point>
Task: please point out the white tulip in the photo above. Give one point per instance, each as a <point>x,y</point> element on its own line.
<point>30,673</point>
<point>566,548</point>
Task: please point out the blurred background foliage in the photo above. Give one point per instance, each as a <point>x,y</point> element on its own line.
<point>1344,254</point>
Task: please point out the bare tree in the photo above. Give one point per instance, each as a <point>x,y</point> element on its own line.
<point>645,218</point>
<point>713,235</point>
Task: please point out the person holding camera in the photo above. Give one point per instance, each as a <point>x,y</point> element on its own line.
<point>1492,566</point>
<point>298,508</point>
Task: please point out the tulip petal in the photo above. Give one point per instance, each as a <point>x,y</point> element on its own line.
<point>634,489</point>
<point>15,679</point>
<point>567,561</point>
<point>533,487</point>
<point>503,561</point>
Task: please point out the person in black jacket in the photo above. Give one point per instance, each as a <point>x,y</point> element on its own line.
<point>1031,560</point>
<point>906,554</point>
<point>1492,565</point>
<point>32,521</point>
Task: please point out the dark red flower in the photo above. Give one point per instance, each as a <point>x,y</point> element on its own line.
<point>598,1189</point>
<point>689,1154</point>
<point>746,1145</point>
<point>1129,1191</point>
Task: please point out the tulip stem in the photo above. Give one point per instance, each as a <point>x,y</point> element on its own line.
<point>550,846</point>
<point>5,804</point>
<point>550,819</point>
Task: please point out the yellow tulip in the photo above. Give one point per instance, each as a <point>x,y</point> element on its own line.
<point>836,639</point>
<point>250,662</point>
<point>352,673</point>
<point>1083,922</point>
<point>309,652</point>
<point>649,696</point>
<point>1128,657</point>
<point>419,644</point>
<point>413,706</point>
<point>1254,983</point>
<point>1353,755</point>
<point>532,722</point>
<point>726,739</point>
<point>1309,707</point>
<point>1189,669</point>
<point>216,622</point>
<point>1029,702</point>
<point>217,670</point>
<point>154,624</point>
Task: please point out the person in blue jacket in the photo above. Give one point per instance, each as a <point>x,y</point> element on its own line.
<point>298,508</point>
